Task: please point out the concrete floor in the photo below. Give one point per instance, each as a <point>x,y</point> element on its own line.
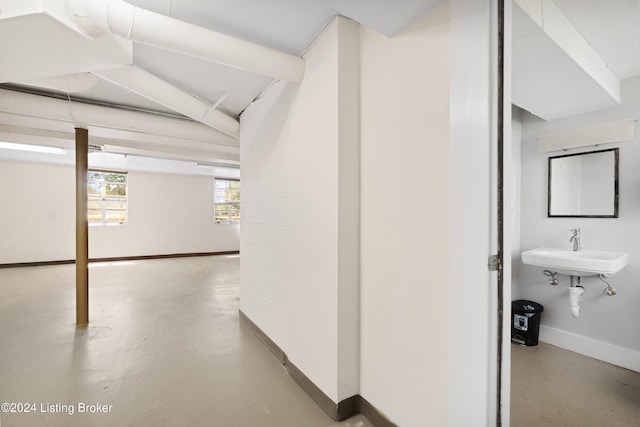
<point>551,386</point>
<point>164,348</point>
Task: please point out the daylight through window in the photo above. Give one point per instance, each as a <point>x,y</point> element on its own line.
<point>227,200</point>
<point>107,197</point>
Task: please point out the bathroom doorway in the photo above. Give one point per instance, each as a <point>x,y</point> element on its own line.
<point>573,68</point>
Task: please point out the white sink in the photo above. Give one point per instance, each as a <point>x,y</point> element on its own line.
<point>576,263</point>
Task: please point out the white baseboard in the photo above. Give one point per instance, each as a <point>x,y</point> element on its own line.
<point>619,356</point>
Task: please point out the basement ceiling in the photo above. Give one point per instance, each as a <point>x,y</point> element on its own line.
<point>612,28</point>
<point>287,26</point>
<point>569,56</point>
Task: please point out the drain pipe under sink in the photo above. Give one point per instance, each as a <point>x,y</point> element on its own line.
<point>575,292</point>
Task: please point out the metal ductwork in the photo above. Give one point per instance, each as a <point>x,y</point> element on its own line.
<point>150,28</point>
<point>151,87</point>
<point>49,121</point>
<point>76,37</point>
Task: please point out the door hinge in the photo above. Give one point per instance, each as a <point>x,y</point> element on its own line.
<point>494,263</point>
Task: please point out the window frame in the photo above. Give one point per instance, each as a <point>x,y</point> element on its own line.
<point>104,199</point>
<point>229,203</point>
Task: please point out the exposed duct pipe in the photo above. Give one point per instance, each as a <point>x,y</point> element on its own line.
<point>147,27</point>
<point>65,112</point>
<point>71,83</point>
<point>127,141</point>
<point>151,87</point>
<point>39,118</point>
<point>183,155</point>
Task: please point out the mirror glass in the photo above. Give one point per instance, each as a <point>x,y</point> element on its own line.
<point>584,185</point>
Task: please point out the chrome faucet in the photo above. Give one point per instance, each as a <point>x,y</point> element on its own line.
<point>575,238</point>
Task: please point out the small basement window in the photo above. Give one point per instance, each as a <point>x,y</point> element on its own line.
<point>227,200</point>
<point>107,197</point>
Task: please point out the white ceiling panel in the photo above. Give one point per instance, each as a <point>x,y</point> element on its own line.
<point>612,28</point>
<point>289,25</point>
<point>207,80</point>
<point>384,16</point>
<point>37,46</point>
<point>115,95</point>
<point>549,83</point>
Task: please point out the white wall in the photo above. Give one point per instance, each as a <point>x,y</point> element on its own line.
<point>424,334</point>
<point>266,197</point>
<point>37,212</point>
<point>349,187</point>
<point>605,319</point>
<point>167,214</point>
<point>299,270</point>
<point>405,217</point>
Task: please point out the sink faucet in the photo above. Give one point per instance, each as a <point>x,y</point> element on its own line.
<point>575,238</point>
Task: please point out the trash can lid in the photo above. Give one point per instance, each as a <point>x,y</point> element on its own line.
<point>525,306</point>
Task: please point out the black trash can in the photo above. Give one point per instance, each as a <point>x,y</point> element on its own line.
<point>525,325</point>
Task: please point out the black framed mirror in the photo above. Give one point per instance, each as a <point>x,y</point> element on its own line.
<point>584,185</point>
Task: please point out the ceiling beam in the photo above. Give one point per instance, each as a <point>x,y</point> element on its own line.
<point>154,88</point>
<point>154,29</point>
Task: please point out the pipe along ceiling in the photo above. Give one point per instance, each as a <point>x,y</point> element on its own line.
<point>97,36</point>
